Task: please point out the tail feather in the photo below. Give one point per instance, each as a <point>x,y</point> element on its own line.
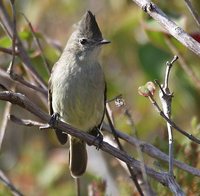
<point>77,157</point>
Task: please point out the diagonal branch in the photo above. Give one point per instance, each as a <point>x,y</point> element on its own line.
<point>176,31</point>
<point>47,66</point>
<point>145,147</point>
<point>14,34</point>
<point>7,182</point>
<point>188,135</point>
<point>152,151</point>
<point>24,102</point>
<point>131,171</point>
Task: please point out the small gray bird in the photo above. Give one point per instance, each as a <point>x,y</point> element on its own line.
<point>77,89</point>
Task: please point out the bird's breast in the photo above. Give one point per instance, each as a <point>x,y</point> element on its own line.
<point>78,95</point>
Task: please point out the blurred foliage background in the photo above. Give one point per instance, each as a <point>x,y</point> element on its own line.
<point>34,160</point>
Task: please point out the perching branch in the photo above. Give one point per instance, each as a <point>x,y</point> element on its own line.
<point>145,147</point>
<point>155,12</point>
<point>24,102</point>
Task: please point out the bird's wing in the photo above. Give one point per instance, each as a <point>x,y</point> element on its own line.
<point>62,137</point>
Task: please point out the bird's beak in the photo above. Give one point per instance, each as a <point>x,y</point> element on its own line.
<point>104,41</point>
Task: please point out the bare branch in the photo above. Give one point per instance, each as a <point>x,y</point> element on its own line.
<point>8,51</point>
<point>14,35</point>
<point>141,157</point>
<point>145,147</point>
<point>47,66</point>
<point>188,70</point>
<point>4,122</point>
<point>131,171</point>
<point>168,69</point>
<point>7,182</point>
<point>189,136</point>
<point>22,52</point>
<point>169,25</point>
<point>23,101</point>
<point>20,79</point>
<point>166,101</point>
<point>120,102</point>
<point>152,151</point>
<point>24,122</point>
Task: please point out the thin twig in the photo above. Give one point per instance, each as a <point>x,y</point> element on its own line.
<point>4,121</point>
<point>141,158</point>
<point>131,171</point>
<point>188,70</point>
<point>4,27</point>
<point>168,69</point>
<point>20,79</point>
<point>47,66</point>
<point>120,102</point>
<point>14,35</point>
<point>189,136</point>
<point>166,100</point>
<point>7,183</point>
<point>24,122</point>
<point>5,18</point>
<point>193,12</point>
<point>78,187</point>
<point>8,51</point>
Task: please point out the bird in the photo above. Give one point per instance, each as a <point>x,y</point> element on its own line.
<point>77,89</point>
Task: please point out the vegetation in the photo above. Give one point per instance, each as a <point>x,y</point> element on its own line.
<point>34,161</point>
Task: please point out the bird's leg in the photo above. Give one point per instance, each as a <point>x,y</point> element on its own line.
<point>54,119</point>
<point>98,137</point>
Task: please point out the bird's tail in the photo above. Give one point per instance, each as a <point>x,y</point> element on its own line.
<point>77,157</point>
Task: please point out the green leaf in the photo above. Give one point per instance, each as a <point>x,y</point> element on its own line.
<point>153,60</point>
<point>5,42</point>
<point>25,35</point>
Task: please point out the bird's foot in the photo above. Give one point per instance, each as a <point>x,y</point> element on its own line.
<point>98,138</point>
<point>148,7</point>
<point>54,119</point>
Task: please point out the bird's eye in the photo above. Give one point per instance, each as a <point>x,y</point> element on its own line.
<point>83,41</point>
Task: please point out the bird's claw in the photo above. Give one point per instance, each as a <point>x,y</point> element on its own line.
<point>54,119</point>
<point>148,7</point>
<point>99,137</point>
